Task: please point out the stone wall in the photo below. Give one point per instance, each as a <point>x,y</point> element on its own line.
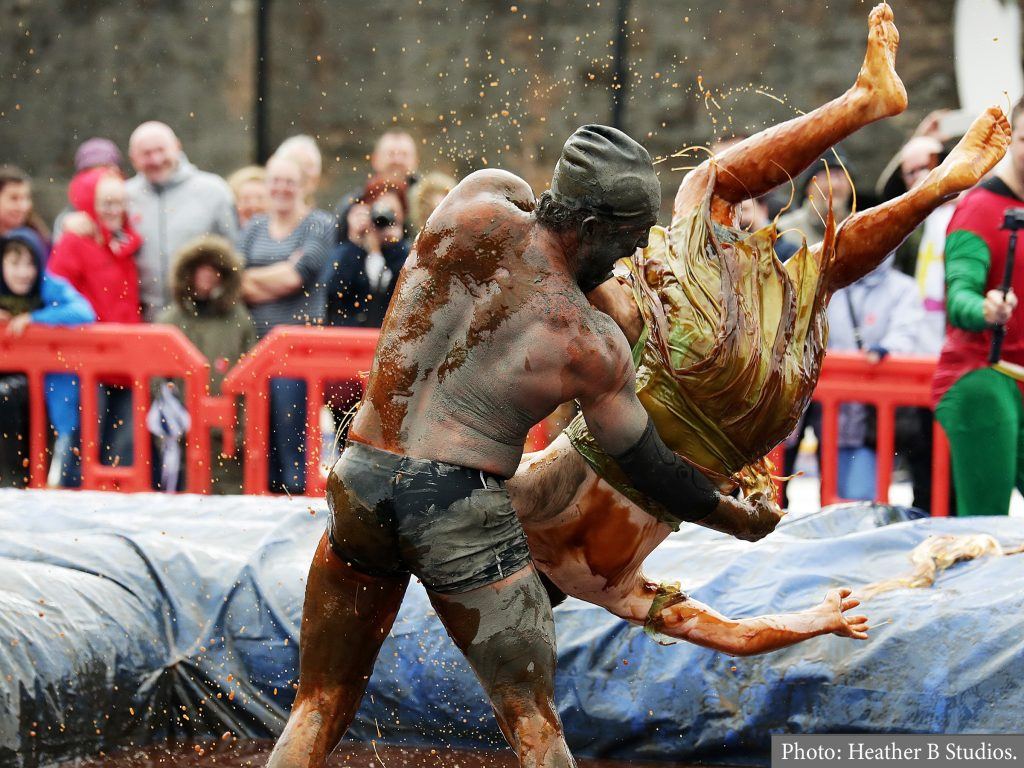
<point>478,82</point>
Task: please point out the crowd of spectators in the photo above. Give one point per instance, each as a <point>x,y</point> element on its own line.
<point>228,261</point>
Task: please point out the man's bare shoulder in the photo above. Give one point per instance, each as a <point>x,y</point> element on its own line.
<point>599,355</point>
<point>496,183</point>
<point>491,193</point>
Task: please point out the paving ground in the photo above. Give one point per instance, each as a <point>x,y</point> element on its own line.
<point>233,754</point>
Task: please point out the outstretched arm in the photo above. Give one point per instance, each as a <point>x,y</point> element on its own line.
<point>697,623</point>
<point>623,428</point>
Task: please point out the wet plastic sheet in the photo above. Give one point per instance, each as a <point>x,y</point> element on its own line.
<point>132,618</point>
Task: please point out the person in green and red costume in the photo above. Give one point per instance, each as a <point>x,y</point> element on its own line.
<point>982,408</point>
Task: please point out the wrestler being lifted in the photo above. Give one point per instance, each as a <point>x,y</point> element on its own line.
<point>729,344</point>
<point>488,332</point>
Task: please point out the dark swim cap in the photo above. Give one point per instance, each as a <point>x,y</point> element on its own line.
<point>604,170</point>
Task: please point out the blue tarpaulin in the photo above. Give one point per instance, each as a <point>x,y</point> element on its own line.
<point>130,618</point>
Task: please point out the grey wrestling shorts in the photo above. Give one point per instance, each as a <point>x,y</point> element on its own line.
<point>451,526</point>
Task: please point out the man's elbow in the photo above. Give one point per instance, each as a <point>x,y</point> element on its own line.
<point>753,535</point>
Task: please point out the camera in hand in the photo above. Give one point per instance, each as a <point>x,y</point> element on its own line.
<point>1013,219</point>
<point>383,217</point>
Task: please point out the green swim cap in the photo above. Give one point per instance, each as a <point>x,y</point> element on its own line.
<point>604,170</point>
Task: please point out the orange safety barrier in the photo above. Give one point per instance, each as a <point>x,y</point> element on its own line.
<point>96,354</point>
<point>314,355</point>
<point>320,355</point>
<point>894,382</point>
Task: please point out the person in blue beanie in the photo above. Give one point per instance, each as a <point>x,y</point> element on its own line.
<point>29,295</point>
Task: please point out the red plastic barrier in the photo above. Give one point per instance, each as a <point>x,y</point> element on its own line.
<point>319,355</point>
<point>896,381</point>
<point>314,355</point>
<point>95,354</point>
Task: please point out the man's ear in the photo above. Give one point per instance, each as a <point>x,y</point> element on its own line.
<point>589,228</point>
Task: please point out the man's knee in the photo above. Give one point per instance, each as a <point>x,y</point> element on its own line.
<point>527,716</point>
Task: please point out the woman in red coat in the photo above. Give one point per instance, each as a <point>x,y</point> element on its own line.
<point>100,264</point>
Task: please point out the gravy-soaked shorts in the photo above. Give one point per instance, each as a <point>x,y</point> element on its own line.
<point>451,526</point>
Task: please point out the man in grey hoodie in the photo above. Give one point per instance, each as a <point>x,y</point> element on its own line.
<point>171,203</point>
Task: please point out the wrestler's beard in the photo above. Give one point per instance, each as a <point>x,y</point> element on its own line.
<point>593,271</point>
<point>589,281</point>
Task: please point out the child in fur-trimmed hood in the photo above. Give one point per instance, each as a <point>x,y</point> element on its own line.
<point>206,306</point>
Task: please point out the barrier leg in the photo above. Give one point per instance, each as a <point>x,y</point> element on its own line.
<point>257,440</point>
<point>829,469</point>
<point>778,458</point>
<point>885,449</point>
<point>89,449</point>
<point>37,428</point>
<point>142,453</point>
<point>314,403</point>
<point>940,472</point>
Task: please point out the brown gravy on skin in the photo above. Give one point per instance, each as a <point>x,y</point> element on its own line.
<point>475,346</point>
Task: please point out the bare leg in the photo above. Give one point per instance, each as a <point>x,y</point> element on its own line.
<point>591,541</point>
<point>345,618</point>
<point>775,156</point>
<point>866,238</point>
<point>507,634</point>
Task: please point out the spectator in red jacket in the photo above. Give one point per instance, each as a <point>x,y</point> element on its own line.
<point>102,268</point>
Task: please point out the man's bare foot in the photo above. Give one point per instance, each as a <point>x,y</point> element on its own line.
<point>835,605</point>
<point>877,83</point>
<point>978,151</point>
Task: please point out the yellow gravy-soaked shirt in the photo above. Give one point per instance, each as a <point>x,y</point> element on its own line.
<point>731,352</point>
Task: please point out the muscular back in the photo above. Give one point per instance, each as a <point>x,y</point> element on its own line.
<point>487,333</point>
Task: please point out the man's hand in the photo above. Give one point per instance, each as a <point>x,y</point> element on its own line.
<point>371,241</point>
<point>18,324</point>
<point>748,519</point>
<point>996,309</point>
<point>5,315</point>
<point>359,224</point>
<point>78,223</point>
<point>834,608</point>
<point>931,126</point>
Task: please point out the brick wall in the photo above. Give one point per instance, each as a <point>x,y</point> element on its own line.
<point>495,82</point>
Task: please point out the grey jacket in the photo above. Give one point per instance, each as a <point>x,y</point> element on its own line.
<point>889,315</point>
<point>168,216</point>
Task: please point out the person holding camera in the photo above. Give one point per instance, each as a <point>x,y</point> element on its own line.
<point>362,271</point>
<point>363,268</point>
<point>980,406</point>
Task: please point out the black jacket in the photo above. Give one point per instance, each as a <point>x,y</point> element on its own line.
<point>351,300</point>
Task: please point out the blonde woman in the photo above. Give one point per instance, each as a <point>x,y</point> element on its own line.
<point>285,252</point>
<point>249,186</point>
<point>425,196</point>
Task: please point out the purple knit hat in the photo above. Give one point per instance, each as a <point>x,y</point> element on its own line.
<point>95,152</point>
